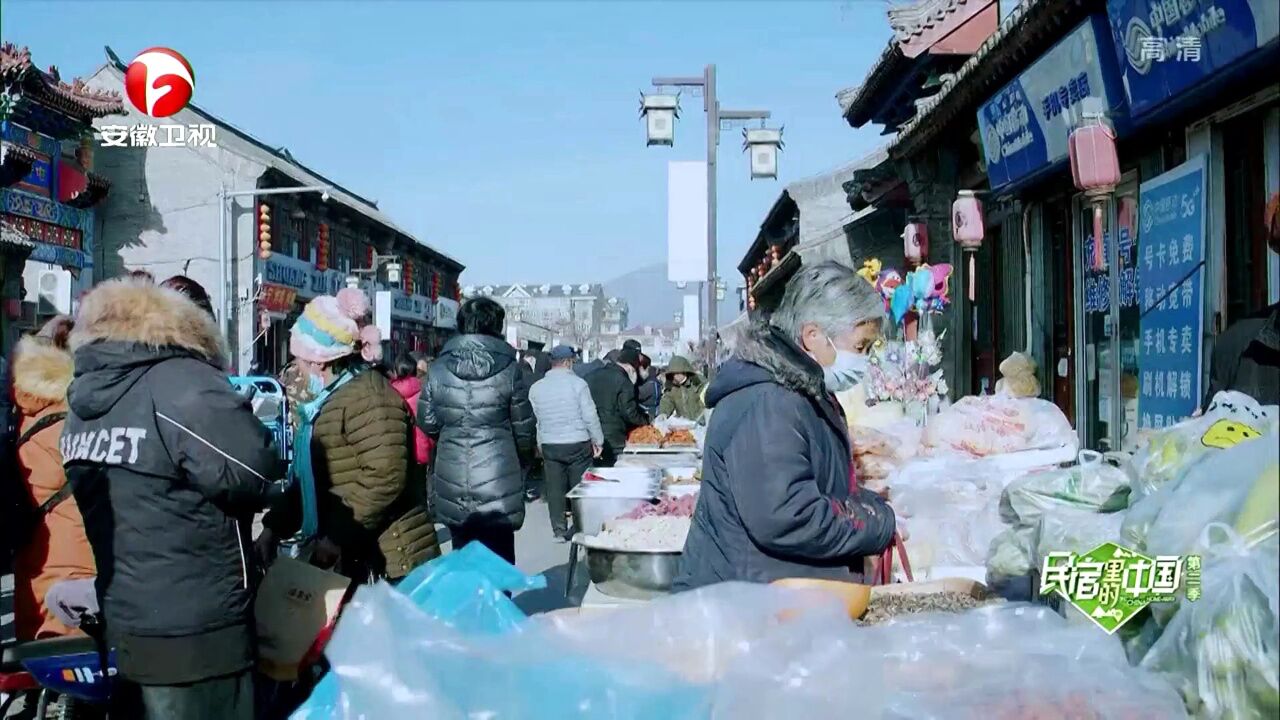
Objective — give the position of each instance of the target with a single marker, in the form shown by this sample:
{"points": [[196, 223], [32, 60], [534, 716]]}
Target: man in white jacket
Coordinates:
{"points": [[569, 432]]}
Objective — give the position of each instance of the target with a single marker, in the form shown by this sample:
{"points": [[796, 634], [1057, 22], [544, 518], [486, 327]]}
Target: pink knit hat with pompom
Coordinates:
{"points": [[329, 327]]}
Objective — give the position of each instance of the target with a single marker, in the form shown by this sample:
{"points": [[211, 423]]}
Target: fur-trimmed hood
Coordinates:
{"points": [[41, 375], [129, 310], [765, 354]]}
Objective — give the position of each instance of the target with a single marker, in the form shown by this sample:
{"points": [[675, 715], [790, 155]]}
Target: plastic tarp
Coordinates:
{"points": [[732, 651]]}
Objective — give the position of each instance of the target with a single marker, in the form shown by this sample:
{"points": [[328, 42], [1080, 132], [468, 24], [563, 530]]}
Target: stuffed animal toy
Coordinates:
{"points": [[1018, 377]]}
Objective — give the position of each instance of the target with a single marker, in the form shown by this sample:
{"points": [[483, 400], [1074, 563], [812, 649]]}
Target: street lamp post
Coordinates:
{"points": [[715, 118], [224, 210]]}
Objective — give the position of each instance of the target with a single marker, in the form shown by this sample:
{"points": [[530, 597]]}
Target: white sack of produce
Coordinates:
{"points": [[996, 424], [1000, 662], [1012, 553], [1221, 650], [1228, 487], [949, 523], [1092, 485], [1167, 454]]}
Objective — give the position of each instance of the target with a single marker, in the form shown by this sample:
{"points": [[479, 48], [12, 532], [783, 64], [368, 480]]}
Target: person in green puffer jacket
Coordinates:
{"points": [[683, 394]]}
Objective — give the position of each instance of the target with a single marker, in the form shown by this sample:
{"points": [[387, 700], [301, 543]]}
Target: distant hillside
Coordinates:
{"points": [[654, 301]]}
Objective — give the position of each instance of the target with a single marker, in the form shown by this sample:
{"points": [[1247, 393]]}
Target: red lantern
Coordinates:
{"points": [[967, 224], [407, 273], [915, 242], [1095, 168], [322, 247], [368, 256], [435, 286]]}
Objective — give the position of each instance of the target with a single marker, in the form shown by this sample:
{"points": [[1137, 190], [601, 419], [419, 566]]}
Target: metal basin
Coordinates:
{"points": [[632, 575]]}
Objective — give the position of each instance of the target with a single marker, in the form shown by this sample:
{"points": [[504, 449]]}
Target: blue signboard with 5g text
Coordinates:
{"points": [[1171, 273]]}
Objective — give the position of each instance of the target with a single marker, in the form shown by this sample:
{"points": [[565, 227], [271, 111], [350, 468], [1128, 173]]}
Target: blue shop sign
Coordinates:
{"points": [[1024, 127], [1171, 281], [1169, 46]]}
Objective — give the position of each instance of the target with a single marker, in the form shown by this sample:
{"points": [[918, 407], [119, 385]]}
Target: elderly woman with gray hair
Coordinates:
{"points": [[778, 496]]}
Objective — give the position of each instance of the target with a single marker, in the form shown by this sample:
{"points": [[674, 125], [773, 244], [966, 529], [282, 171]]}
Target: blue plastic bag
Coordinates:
{"points": [[465, 590]]}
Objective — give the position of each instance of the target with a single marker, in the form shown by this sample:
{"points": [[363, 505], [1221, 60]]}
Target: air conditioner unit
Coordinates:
{"points": [[48, 287]]}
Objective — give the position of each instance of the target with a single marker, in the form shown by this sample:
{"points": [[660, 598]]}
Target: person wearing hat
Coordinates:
{"points": [[569, 432], [683, 394], [352, 454], [613, 388]]}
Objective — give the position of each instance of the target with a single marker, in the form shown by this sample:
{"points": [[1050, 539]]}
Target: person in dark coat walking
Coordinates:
{"points": [[613, 389], [649, 389], [778, 495], [476, 406], [169, 466]]}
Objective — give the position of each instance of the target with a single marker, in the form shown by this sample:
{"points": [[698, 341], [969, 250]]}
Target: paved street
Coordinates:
{"points": [[537, 552]]}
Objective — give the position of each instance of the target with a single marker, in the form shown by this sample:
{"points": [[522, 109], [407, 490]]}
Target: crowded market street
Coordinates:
{"points": [[410, 364]]}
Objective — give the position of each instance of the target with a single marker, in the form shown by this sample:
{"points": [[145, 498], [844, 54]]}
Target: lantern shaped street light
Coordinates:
{"points": [[393, 272], [763, 144], [658, 107], [659, 112]]}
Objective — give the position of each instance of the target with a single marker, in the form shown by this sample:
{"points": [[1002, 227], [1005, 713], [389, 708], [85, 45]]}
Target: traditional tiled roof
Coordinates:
{"points": [[852, 99], [1026, 30], [912, 21], [46, 87]]}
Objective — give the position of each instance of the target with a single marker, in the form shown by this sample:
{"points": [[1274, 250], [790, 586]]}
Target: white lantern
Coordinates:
{"points": [[353, 282], [763, 144], [660, 113], [393, 273]]}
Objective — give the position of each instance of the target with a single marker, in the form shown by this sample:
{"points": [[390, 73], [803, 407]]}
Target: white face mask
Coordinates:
{"points": [[848, 369]]}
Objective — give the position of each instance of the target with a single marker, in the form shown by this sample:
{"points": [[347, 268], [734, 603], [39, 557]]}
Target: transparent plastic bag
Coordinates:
{"points": [[1012, 553], [1212, 491], [1093, 485], [1073, 530], [1221, 650], [663, 659], [1169, 453], [997, 424], [1005, 661]]}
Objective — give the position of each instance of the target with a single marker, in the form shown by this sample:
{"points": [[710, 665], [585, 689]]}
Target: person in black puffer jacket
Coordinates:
{"points": [[168, 465], [476, 407], [613, 389]]}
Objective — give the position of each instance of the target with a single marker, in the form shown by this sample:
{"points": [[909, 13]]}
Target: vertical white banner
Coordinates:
{"points": [[691, 326], [687, 221], [382, 312]]}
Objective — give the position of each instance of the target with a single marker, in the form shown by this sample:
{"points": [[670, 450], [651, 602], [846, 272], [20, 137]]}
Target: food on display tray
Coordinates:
{"points": [[681, 506], [679, 437], [646, 435], [886, 606], [652, 533]]}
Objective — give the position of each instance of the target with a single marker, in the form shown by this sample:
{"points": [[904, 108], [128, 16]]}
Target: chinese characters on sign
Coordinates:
{"points": [[277, 298], [1171, 284], [159, 136], [1111, 584], [1186, 48], [1066, 95]]}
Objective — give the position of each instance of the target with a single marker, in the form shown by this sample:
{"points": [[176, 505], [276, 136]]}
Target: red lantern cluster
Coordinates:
{"points": [[369, 252], [407, 276], [435, 286], [322, 247], [264, 231]]}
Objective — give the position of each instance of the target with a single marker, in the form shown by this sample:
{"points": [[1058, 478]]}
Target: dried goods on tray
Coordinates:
{"points": [[888, 606], [679, 438], [646, 435]]}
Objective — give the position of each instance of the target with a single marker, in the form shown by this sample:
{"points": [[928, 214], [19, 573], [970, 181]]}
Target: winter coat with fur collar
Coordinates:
{"points": [[169, 466], [58, 550]]}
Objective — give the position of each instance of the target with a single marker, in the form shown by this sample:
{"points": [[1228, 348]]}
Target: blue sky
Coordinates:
{"points": [[504, 133]]}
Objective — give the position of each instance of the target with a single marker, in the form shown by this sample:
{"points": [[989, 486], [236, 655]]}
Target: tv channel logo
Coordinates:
{"points": [[159, 82]]}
